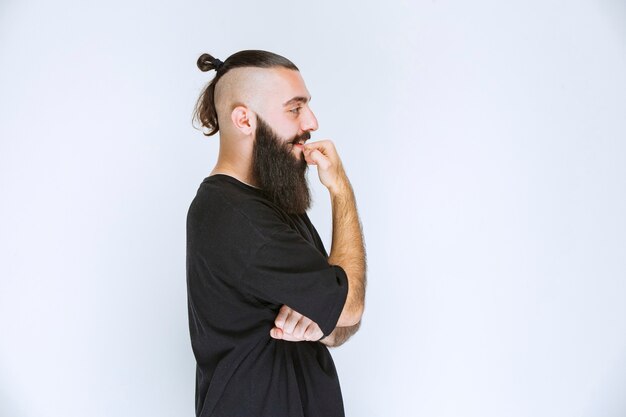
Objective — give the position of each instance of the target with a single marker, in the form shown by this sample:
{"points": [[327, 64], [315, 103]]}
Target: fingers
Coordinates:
{"points": [[316, 157], [276, 333], [313, 332], [296, 324], [329, 167], [290, 321], [293, 326], [325, 147], [283, 313], [318, 153]]}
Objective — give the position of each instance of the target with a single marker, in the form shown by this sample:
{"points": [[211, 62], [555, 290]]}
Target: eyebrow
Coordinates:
{"points": [[298, 99]]}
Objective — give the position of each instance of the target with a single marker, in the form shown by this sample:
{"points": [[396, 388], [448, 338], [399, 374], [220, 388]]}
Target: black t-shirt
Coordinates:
{"points": [[246, 257]]}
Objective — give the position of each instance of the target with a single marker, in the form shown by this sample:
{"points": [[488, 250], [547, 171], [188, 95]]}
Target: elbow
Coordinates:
{"points": [[350, 318]]}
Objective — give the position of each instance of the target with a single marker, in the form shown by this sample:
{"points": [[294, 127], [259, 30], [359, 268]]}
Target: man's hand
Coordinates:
{"points": [[329, 167], [294, 327]]}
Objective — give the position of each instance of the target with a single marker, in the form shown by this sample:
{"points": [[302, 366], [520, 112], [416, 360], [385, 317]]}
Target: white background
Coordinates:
{"points": [[486, 145]]}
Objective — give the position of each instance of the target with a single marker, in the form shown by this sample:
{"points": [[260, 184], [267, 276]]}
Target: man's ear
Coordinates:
{"points": [[244, 119]]}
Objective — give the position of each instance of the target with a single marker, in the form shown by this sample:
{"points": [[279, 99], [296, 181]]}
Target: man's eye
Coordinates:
{"points": [[296, 110]]}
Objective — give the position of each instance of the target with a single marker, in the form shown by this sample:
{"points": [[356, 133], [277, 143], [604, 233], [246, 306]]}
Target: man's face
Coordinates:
{"points": [[278, 162], [278, 171], [283, 102]]}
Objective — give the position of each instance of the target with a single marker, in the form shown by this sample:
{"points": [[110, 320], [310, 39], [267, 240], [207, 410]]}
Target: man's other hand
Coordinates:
{"points": [[329, 167], [294, 327]]}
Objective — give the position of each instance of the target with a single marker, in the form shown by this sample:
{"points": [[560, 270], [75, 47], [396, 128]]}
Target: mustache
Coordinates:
{"points": [[305, 135]]}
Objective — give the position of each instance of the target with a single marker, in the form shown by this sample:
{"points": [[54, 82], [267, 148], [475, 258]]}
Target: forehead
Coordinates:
{"points": [[286, 86]]}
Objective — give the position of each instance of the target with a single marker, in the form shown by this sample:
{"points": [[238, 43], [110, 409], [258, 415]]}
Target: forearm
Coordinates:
{"points": [[348, 247], [340, 335]]}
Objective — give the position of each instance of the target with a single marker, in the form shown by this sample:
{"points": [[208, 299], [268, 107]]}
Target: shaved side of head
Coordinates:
{"points": [[246, 86]]}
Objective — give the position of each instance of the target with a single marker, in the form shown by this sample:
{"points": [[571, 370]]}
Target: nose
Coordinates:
{"points": [[309, 122]]}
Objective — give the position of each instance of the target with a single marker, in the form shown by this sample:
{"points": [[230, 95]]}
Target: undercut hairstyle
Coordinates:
{"points": [[205, 111]]}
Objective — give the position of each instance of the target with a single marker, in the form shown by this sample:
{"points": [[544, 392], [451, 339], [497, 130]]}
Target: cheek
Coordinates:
{"points": [[285, 129]]}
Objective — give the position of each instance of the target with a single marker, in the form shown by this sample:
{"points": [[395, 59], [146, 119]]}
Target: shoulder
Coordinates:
{"points": [[224, 205]]}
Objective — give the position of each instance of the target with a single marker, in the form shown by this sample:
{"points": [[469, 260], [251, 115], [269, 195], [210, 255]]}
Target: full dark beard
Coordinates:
{"points": [[280, 175]]}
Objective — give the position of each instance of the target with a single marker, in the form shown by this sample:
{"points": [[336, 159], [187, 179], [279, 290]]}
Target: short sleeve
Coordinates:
{"points": [[287, 269]]}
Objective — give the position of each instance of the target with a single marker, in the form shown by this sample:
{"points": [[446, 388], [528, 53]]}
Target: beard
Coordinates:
{"points": [[280, 174]]}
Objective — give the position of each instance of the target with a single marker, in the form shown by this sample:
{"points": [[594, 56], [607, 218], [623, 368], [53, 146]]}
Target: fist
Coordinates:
{"points": [[329, 167], [294, 327]]}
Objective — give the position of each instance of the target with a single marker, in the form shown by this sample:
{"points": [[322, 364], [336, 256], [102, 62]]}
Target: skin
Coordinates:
{"points": [[240, 95]]}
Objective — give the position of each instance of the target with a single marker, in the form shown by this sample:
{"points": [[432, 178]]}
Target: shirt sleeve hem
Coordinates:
{"points": [[333, 316]]}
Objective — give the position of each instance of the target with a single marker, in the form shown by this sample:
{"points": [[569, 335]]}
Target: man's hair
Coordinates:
{"points": [[205, 110]]}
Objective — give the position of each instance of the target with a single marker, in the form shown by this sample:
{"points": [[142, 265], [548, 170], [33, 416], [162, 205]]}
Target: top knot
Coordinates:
{"points": [[206, 62], [217, 64]]}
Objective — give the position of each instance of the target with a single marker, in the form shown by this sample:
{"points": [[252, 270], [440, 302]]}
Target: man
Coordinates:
{"points": [[265, 299]]}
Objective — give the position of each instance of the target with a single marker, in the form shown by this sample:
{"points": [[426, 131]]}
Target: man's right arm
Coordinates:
{"points": [[348, 251], [348, 247]]}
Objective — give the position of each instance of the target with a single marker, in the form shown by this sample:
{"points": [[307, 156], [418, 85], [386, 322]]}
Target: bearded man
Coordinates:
{"points": [[265, 300]]}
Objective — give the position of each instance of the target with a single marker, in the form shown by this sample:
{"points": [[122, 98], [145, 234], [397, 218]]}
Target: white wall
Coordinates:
{"points": [[486, 144]]}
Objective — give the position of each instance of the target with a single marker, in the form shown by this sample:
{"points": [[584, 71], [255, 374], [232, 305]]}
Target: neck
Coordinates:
{"points": [[246, 179], [235, 161]]}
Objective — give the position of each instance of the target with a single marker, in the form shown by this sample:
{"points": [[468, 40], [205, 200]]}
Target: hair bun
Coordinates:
{"points": [[207, 62]]}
